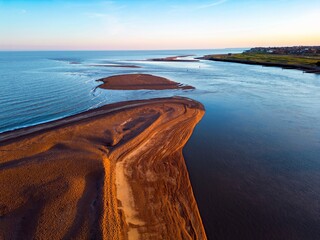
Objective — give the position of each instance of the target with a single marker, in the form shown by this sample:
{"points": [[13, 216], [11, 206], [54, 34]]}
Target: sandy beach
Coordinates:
{"points": [[116, 172], [140, 81]]}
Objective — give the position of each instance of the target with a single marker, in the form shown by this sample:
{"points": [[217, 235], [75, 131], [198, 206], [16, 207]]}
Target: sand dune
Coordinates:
{"points": [[140, 81], [116, 172]]}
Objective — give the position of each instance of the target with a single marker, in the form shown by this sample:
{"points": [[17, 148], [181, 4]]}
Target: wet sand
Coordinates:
{"points": [[174, 59], [116, 172], [140, 81], [115, 65]]}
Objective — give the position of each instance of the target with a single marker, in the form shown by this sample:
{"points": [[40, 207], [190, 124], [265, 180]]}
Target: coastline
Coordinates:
{"points": [[226, 58], [123, 160]]}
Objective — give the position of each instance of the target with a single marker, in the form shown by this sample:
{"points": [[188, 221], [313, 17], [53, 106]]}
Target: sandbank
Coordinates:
{"points": [[115, 172], [115, 65], [140, 81], [174, 59]]}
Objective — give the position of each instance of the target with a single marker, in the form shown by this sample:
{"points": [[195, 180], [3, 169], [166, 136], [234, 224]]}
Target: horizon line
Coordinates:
{"points": [[96, 50], [169, 49]]}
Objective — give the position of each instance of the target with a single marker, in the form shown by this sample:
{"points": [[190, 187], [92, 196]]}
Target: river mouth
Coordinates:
{"points": [[254, 158], [259, 178]]}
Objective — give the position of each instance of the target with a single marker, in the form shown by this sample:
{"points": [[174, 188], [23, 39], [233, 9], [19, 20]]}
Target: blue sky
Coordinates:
{"points": [[157, 24]]}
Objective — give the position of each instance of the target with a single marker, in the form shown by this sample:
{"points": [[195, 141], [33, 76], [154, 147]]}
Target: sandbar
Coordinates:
{"points": [[174, 59], [115, 172], [115, 65], [140, 81]]}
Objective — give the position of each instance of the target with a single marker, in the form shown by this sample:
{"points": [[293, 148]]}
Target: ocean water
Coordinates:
{"points": [[253, 160]]}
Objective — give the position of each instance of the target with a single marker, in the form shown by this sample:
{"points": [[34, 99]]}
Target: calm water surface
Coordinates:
{"points": [[254, 159]]}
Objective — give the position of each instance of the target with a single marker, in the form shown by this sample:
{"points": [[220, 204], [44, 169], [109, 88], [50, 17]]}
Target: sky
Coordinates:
{"points": [[157, 24]]}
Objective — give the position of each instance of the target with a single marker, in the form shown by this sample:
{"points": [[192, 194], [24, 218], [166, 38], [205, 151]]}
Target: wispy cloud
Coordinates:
{"points": [[107, 18], [212, 4], [23, 11], [110, 24], [96, 15], [195, 7]]}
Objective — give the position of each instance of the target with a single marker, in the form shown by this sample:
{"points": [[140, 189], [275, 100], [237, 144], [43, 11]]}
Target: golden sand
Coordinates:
{"points": [[140, 81], [116, 172]]}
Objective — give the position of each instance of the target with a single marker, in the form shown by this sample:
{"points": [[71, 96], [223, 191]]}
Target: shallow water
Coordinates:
{"points": [[254, 159]]}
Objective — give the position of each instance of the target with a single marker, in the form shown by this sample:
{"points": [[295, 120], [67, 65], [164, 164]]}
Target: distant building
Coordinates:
{"points": [[296, 50]]}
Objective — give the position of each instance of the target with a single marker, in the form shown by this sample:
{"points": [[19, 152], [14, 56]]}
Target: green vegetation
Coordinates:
{"points": [[311, 61], [310, 64]]}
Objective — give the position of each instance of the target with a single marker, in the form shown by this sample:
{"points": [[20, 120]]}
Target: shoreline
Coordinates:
{"points": [[304, 68], [173, 59], [124, 82], [112, 172]]}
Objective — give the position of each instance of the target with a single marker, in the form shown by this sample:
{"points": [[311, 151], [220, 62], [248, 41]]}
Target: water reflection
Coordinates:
{"points": [[254, 159]]}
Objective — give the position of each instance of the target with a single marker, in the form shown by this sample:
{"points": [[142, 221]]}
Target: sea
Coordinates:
{"points": [[253, 160]]}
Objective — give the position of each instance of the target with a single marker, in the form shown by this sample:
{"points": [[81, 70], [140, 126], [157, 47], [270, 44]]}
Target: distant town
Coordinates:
{"points": [[296, 50]]}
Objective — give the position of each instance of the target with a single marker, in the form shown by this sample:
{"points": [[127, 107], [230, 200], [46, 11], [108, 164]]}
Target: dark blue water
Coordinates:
{"points": [[254, 159]]}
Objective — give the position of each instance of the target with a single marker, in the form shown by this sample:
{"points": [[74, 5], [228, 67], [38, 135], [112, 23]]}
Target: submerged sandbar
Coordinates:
{"points": [[174, 59], [115, 65]]}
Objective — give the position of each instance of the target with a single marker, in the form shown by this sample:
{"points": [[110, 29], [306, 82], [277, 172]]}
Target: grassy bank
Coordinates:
{"points": [[306, 63]]}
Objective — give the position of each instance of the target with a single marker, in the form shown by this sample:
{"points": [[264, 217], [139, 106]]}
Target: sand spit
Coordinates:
{"points": [[115, 65], [116, 172], [140, 81], [174, 59]]}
